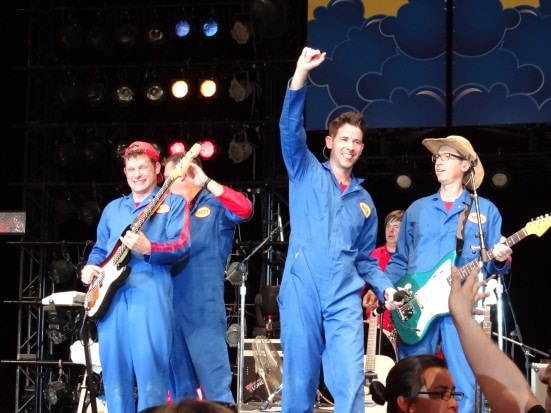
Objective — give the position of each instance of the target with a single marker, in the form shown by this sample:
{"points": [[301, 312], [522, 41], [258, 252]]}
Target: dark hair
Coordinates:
{"points": [[395, 215], [352, 118], [405, 379], [191, 406]]}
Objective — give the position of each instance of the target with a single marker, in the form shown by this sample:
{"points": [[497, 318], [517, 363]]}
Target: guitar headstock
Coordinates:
{"points": [[539, 225], [182, 166]]}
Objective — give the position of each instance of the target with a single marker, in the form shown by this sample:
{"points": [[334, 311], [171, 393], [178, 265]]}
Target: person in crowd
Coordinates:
{"points": [[200, 354], [334, 229], [135, 332], [393, 220], [441, 224], [191, 406], [423, 383], [500, 380]]}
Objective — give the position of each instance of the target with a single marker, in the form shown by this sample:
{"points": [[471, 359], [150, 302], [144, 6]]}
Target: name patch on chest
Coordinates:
{"points": [[163, 209], [365, 209], [474, 219], [202, 212]]}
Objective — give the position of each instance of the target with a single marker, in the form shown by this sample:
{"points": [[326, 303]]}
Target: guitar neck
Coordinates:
{"points": [[512, 240], [371, 346], [142, 218]]}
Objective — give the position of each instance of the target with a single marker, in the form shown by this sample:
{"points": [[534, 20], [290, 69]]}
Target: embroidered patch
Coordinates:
{"points": [[365, 209], [474, 219], [202, 212], [163, 209]]}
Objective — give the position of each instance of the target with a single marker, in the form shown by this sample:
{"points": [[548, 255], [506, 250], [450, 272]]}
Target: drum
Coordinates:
{"points": [[538, 388]]}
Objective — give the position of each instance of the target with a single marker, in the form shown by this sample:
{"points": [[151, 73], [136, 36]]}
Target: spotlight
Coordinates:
{"points": [[61, 271], [240, 148], [179, 89], [240, 31], [404, 180], [57, 391], [70, 95], [232, 335], [208, 149], [89, 213], [96, 94], [125, 94], [71, 34], [127, 35], [155, 93], [210, 27], [500, 179], [100, 38], [240, 87], [155, 35], [176, 147], [208, 88], [182, 28]]}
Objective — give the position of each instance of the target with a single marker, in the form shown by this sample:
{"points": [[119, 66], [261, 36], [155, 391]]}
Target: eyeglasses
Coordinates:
{"points": [[444, 394], [446, 156]]}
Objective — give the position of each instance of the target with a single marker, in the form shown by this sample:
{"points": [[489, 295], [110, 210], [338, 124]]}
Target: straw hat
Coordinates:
{"points": [[465, 149]]}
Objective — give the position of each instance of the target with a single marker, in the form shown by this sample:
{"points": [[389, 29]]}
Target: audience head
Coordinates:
{"points": [[191, 406]]}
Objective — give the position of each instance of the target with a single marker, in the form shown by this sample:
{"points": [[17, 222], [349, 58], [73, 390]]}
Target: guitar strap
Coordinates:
{"points": [[460, 235]]}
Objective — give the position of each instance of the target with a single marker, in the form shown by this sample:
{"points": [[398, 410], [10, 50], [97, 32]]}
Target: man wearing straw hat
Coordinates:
{"points": [[445, 222]]}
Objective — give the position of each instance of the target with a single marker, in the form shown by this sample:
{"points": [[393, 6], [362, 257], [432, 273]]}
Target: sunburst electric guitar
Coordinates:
{"points": [[114, 270], [428, 292], [376, 366]]}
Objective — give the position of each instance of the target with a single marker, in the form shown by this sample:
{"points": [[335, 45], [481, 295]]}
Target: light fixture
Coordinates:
{"points": [[179, 88], [232, 335], [404, 180], [155, 34], [500, 179], [182, 28], [240, 148], [155, 93], [208, 149], [240, 31], [209, 27], [60, 323], [268, 17], [71, 34], [128, 35], [240, 87], [176, 147], [100, 37], [57, 392], [96, 94], [125, 94], [89, 213], [208, 88], [70, 95], [61, 271]]}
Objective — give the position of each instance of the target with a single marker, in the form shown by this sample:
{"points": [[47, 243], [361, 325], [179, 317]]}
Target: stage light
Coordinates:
{"points": [[127, 35], [210, 27], [71, 34], [61, 271], [240, 87], [155, 93], [179, 89], [70, 95], [404, 180], [57, 392], [125, 94], [96, 94], [182, 28], [240, 148], [208, 88], [155, 35], [208, 149], [240, 31], [89, 213], [232, 335], [500, 179], [100, 38], [176, 147]]}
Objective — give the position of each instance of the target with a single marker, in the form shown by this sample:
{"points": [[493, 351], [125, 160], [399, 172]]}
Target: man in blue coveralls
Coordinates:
{"points": [[334, 230], [199, 308], [135, 334]]}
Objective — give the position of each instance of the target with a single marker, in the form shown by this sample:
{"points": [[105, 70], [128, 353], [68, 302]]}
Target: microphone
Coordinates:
{"points": [[280, 226]]}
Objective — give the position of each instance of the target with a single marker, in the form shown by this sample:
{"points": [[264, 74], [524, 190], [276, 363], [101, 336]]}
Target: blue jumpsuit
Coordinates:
{"points": [[135, 334], [427, 234], [199, 308], [328, 261]]}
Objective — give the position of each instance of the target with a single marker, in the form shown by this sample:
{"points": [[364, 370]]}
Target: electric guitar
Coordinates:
{"points": [[428, 292], [114, 270], [376, 367]]}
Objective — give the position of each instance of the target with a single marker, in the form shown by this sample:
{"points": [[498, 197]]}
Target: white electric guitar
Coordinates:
{"points": [[376, 366]]}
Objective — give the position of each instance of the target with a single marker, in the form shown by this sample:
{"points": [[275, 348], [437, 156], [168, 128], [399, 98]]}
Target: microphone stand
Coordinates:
{"points": [[237, 275], [484, 257]]}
